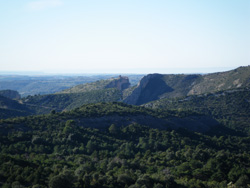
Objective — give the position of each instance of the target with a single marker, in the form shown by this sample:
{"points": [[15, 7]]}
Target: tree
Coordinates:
{"points": [[91, 146], [37, 186], [113, 129], [16, 184], [53, 112], [61, 181], [125, 179], [243, 181], [69, 127]]}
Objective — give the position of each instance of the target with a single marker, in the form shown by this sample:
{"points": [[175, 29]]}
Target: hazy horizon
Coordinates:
{"points": [[61, 36], [111, 72]]}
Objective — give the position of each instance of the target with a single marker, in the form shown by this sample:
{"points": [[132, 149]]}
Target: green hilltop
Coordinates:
{"points": [[230, 107], [66, 150], [181, 131], [200, 93]]}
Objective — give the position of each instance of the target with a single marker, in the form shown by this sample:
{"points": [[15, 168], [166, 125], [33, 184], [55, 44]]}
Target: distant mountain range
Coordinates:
{"points": [[175, 131], [171, 91], [41, 85], [119, 83]]}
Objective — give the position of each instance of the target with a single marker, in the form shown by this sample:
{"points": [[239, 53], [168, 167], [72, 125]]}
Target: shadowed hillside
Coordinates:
{"points": [[10, 94], [230, 107], [60, 102], [12, 108], [118, 145], [100, 91], [156, 86]]}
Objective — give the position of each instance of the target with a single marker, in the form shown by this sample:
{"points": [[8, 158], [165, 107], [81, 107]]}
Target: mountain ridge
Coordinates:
{"points": [[119, 83], [151, 88], [102, 115], [230, 107], [180, 85]]}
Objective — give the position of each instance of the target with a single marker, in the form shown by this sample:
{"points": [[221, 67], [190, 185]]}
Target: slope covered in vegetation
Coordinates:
{"points": [[119, 83], [61, 150], [12, 108], [158, 86], [100, 91], [43, 104], [230, 107], [35, 85], [10, 94]]}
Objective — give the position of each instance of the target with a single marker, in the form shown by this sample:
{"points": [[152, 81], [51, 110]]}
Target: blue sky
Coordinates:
{"points": [[111, 36]]}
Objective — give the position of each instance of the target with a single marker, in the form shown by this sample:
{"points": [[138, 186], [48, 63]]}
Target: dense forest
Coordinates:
{"points": [[167, 131], [230, 107], [43, 104], [61, 150]]}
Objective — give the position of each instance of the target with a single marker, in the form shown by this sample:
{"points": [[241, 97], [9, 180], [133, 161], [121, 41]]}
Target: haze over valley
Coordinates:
{"points": [[124, 94]]}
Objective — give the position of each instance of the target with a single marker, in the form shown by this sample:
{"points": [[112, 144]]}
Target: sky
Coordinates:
{"points": [[124, 36]]}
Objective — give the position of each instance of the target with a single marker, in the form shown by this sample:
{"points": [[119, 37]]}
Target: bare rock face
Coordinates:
{"points": [[121, 83], [149, 88], [157, 86], [11, 94]]}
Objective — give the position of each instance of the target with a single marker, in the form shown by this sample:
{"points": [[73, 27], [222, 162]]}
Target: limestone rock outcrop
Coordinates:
{"points": [[148, 89], [121, 83]]}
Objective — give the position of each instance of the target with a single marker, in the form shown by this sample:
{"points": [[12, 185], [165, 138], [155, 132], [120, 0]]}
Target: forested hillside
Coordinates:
{"points": [[151, 87], [12, 108], [100, 91], [230, 107], [10, 94], [35, 85], [87, 136], [124, 94], [43, 104], [119, 83], [60, 150]]}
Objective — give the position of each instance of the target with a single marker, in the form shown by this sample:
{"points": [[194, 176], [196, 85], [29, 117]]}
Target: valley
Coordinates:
{"points": [[163, 130]]}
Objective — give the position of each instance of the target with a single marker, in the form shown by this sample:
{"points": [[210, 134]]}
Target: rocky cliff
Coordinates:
{"points": [[148, 89], [119, 83], [157, 86]]}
